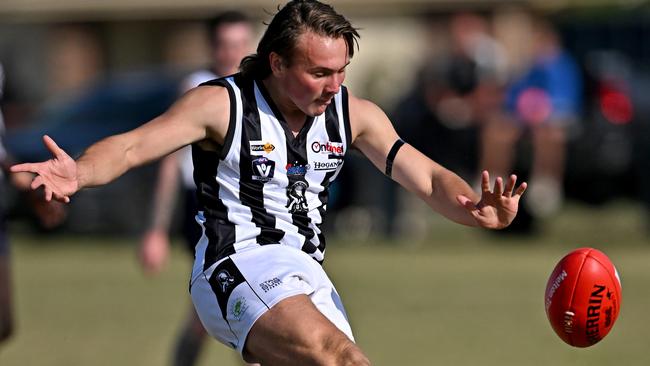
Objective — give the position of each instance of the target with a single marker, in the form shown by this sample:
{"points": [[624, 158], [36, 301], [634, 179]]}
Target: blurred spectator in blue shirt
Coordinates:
{"points": [[544, 102]]}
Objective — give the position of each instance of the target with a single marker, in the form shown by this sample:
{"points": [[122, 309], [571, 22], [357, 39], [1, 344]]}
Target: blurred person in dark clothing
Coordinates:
{"points": [[231, 39], [544, 102], [441, 115], [50, 215]]}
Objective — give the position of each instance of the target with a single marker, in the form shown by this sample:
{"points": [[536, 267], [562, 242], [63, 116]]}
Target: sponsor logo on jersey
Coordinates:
{"points": [[268, 285], [225, 280], [259, 147], [297, 169], [263, 169], [296, 200], [332, 148], [327, 165]]}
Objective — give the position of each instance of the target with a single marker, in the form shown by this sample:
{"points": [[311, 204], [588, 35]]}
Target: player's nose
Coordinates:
{"points": [[333, 84]]}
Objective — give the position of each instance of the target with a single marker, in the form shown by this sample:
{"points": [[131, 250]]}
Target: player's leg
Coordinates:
{"points": [[499, 137], [275, 305], [295, 332], [549, 144], [546, 181], [189, 341]]}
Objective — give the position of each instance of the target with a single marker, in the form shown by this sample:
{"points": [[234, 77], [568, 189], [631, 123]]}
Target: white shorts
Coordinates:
{"points": [[233, 293]]}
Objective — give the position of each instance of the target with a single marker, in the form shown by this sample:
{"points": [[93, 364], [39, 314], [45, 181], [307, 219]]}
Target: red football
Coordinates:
{"points": [[583, 297]]}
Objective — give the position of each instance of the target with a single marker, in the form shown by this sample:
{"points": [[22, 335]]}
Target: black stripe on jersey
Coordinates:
{"points": [[297, 159], [220, 232], [346, 116], [323, 196], [333, 127], [332, 124], [233, 114], [251, 192]]}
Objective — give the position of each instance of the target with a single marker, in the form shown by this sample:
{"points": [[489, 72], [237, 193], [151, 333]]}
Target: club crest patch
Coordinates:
{"points": [[296, 199], [225, 280]]}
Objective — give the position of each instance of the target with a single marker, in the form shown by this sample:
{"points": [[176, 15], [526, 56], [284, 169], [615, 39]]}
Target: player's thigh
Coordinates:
{"points": [[295, 332]]}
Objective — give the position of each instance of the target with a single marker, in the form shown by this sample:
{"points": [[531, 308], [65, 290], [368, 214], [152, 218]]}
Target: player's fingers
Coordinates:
{"points": [[53, 147], [37, 182], [498, 187], [48, 193], [61, 198], [485, 181], [510, 186], [25, 167], [521, 189]]}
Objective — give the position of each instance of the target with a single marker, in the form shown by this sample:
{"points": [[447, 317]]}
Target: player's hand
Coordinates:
{"points": [[154, 251], [497, 208], [58, 176]]}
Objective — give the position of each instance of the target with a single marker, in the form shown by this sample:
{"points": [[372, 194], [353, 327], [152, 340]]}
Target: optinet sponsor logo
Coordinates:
{"points": [[328, 165], [335, 148]]}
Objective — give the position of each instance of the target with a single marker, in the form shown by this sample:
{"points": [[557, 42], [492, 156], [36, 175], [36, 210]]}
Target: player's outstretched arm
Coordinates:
{"points": [[440, 188], [201, 114]]}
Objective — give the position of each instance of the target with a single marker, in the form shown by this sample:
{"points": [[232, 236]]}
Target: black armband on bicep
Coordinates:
{"points": [[391, 156]]}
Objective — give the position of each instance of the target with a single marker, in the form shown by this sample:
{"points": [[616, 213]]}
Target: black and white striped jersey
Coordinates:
{"points": [[266, 186]]}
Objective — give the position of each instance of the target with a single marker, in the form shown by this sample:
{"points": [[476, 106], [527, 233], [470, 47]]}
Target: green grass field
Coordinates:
{"points": [[462, 297]]}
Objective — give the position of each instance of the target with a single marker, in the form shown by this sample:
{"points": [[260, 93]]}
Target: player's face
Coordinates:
{"points": [[316, 72], [234, 41]]}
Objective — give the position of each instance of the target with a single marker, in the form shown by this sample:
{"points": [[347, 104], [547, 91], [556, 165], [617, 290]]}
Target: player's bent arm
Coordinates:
{"points": [[374, 135], [201, 113]]}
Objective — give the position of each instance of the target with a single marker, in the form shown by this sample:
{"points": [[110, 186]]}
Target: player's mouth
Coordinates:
{"points": [[325, 101]]}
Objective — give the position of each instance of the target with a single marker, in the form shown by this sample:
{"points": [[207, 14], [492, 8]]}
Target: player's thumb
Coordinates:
{"points": [[466, 202]]}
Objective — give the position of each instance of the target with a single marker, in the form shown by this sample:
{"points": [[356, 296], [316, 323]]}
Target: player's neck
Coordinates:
{"points": [[294, 117]]}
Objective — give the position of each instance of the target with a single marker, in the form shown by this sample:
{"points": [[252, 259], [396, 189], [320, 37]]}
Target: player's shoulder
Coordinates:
{"points": [[207, 93]]}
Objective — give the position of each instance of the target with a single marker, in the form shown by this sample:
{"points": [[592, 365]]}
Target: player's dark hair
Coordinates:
{"points": [[292, 20], [227, 17]]}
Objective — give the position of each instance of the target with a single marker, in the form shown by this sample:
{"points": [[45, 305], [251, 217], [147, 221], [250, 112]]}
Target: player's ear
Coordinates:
{"points": [[277, 63]]}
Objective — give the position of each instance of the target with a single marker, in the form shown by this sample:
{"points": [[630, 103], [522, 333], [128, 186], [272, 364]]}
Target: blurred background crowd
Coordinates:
{"points": [[556, 93]]}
